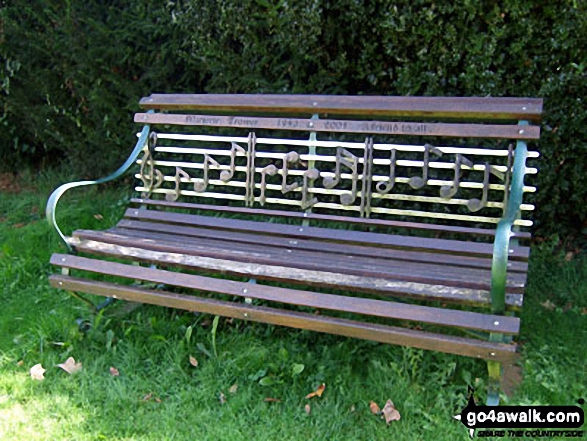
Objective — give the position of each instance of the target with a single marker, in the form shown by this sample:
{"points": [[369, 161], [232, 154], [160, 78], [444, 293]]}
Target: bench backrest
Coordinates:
{"points": [[446, 159]]}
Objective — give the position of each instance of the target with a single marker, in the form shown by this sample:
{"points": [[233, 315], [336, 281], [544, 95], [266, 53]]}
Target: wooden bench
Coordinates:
{"points": [[407, 211]]}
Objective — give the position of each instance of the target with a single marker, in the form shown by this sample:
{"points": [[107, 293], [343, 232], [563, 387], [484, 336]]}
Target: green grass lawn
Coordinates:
{"points": [[159, 395]]}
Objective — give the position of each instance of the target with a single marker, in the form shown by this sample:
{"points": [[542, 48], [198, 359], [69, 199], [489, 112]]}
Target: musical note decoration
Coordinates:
{"points": [[148, 174], [476, 204], [309, 176], [270, 170], [448, 191], [179, 173], [201, 185], [346, 158], [289, 158], [386, 186], [417, 182], [226, 175]]}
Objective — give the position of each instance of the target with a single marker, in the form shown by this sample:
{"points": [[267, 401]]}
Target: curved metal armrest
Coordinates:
{"points": [[54, 198], [503, 233]]}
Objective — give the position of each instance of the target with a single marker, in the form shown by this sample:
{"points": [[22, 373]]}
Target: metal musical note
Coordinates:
{"points": [[385, 187], [179, 173], [149, 175], [309, 176], [270, 170], [289, 158], [344, 157], [448, 191], [417, 182], [226, 175], [201, 186], [476, 204]]}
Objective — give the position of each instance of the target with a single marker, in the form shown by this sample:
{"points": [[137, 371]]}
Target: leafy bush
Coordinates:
{"points": [[72, 77]]}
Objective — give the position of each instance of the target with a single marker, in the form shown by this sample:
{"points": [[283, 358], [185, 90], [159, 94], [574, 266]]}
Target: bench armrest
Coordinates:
{"points": [[503, 233], [54, 198]]}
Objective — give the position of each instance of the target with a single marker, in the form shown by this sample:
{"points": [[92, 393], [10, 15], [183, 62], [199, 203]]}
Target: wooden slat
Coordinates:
{"points": [[326, 234], [377, 308], [384, 334], [418, 226], [295, 276], [316, 261], [389, 106], [312, 245], [346, 126]]}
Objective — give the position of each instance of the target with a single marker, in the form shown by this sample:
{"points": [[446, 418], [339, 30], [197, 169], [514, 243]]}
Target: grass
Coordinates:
{"points": [[159, 395]]}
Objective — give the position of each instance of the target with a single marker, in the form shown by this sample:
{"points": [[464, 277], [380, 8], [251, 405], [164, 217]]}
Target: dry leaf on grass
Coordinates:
{"points": [[222, 398], [20, 363], [148, 396], [307, 409], [98, 216], [318, 392], [233, 388], [37, 372], [548, 305], [70, 366], [114, 372], [193, 361], [569, 256], [390, 413], [374, 408], [272, 400]]}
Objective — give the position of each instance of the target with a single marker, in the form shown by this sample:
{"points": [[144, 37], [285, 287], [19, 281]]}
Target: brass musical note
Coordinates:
{"points": [[476, 204], [417, 182], [448, 191], [152, 178], [309, 175], [201, 186], [179, 173], [270, 170], [349, 160], [289, 158], [385, 187], [226, 175]]}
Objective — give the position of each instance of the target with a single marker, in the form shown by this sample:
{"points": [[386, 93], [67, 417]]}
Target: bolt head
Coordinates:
{"points": [[496, 323], [245, 290], [314, 103], [521, 132], [246, 314], [492, 354]]}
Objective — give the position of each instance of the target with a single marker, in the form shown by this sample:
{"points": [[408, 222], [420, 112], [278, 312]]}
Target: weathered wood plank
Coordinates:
{"points": [[389, 106], [296, 276], [378, 308], [418, 226], [330, 235], [346, 126], [315, 261], [233, 237], [348, 328]]}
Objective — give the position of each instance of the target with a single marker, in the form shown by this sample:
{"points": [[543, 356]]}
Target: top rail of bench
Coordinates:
{"points": [[488, 108]]}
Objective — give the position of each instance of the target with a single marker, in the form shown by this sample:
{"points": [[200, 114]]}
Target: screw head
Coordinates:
{"points": [[492, 354], [246, 314], [60, 283], [311, 124], [245, 290], [521, 132], [63, 259], [145, 118], [496, 323], [305, 214], [314, 103], [524, 108], [301, 229]]}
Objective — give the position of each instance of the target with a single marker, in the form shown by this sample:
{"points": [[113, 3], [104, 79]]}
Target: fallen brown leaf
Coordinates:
{"points": [[19, 225], [375, 409], [98, 216], [307, 409], [37, 372], [19, 363], [157, 400], [390, 413], [352, 409], [148, 396], [222, 398], [70, 366], [193, 361], [569, 256], [318, 392], [548, 305], [272, 400], [583, 311], [233, 388], [114, 372]]}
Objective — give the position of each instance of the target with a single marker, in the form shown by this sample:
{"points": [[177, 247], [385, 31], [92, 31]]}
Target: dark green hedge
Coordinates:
{"points": [[73, 73]]}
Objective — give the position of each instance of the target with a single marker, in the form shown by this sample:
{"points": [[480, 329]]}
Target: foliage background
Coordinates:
{"points": [[72, 72]]}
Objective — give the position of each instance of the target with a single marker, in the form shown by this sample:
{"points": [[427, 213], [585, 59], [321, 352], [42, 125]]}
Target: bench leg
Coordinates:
{"points": [[495, 370]]}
